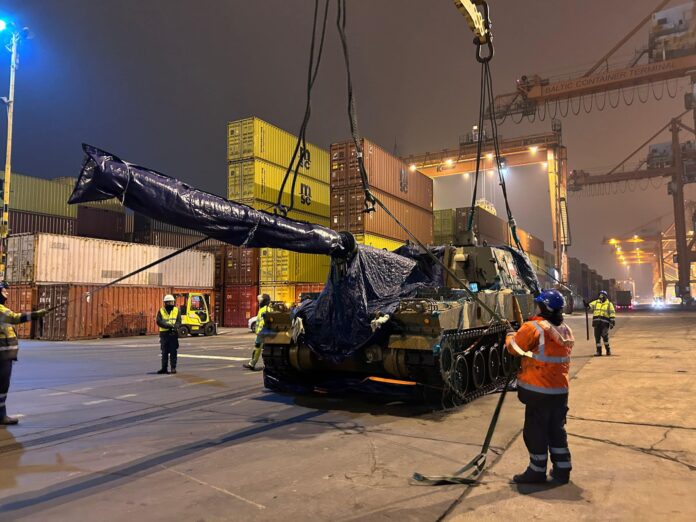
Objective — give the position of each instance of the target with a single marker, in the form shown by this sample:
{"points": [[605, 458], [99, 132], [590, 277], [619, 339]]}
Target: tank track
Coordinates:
{"points": [[471, 364]]}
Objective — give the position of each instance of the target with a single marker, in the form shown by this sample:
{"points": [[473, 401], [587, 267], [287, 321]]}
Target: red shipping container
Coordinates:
{"points": [[22, 299], [31, 223], [240, 304], [241, 266], [385, 172], [100, 223]]}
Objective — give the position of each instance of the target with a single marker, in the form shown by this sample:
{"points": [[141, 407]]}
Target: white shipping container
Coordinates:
{"points": [[50, 258]]}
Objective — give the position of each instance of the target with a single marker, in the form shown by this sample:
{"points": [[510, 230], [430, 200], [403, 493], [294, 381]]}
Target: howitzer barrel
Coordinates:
{"points": [[105, 176]]}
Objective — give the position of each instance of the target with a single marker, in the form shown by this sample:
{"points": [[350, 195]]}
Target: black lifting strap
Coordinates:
{"points": [[304, 159], [476, 465]]}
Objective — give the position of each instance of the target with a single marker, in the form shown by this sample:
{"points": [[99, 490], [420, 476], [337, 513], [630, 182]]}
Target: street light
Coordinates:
{"points": [[12, 46]]}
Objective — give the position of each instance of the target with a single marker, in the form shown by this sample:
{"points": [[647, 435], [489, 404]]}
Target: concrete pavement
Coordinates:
{"points": [[102, 437]]}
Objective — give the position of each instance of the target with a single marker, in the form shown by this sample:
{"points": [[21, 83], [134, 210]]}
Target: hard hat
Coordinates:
{"points": [[4, 284], [604, 293], [551, 299], [169, 297]]}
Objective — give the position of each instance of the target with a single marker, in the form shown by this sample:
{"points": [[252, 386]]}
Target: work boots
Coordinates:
{"points": [[599, 353], [173, 370], [608, 350], [560, 476], [162, 371], [530, 477], [8, 421]]}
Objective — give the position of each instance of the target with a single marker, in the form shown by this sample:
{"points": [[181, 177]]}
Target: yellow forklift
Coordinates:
{"points": [[195, 314]]}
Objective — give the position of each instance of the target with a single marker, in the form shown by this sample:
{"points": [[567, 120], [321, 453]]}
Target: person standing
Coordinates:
{"points": [[603, 320], [544, 343], [9, 348], [169, 320], [264, 300]]}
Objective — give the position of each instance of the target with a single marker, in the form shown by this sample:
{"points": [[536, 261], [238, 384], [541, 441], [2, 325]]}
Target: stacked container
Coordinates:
{"points": [[407, 193], [258, 156], [48, 269]]}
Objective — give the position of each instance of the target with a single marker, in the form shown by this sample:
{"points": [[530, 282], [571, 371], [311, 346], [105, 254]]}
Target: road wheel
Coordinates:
{"points": [[209, 329], [478, 369], [183, 331], [493, 363]]}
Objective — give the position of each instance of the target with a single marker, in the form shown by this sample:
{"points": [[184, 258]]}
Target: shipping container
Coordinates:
{"points": [[30, 223], [41, 196], [260, 180], [173, 240], [530, 243], [255, 138], [282, 266], [347, 214], [49, 258], [116, 311], [240, 304], [297, 215], [385, 172], [289, 294], [100, 223], [378, 242], [22, 298]]}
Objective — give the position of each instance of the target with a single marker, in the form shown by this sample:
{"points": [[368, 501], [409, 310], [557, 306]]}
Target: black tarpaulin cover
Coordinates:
{"points": [[105, 176]]}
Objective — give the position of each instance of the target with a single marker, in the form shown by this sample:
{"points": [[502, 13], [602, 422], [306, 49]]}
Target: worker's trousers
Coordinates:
{"points": [[601, 332], [544, 431], [169, 344], [5, 374], [256, 354]]}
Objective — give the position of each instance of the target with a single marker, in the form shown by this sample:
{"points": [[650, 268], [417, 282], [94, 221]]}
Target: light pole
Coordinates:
{"points": [[11, 46]]}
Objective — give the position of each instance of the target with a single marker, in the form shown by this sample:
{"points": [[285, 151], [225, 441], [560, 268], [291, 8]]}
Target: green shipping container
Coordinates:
{"points": [[261, 180], [255, 138], [41, 196]]}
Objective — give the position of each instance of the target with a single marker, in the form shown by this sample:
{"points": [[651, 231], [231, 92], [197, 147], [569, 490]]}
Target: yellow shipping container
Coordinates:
{"points": [[289, 294], [255, 138], [293, 214], [378, 241], [261, 180], [283, 266]]}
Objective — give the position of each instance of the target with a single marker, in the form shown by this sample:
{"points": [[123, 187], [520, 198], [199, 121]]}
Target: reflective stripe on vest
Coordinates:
{"points": [[171, 319], [541, 356], [541, 389]]}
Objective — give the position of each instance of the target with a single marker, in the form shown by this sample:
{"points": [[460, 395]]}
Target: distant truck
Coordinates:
{"points": [[624, 300]]}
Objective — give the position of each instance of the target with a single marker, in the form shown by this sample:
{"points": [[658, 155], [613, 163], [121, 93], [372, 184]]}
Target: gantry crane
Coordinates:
{"points": [[674, 169]]}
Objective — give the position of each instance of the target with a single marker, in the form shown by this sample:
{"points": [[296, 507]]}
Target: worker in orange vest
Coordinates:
{"points": [[544, 343]]}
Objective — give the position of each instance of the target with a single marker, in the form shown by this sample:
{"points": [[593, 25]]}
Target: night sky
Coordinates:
{"points": [[155, 81]]}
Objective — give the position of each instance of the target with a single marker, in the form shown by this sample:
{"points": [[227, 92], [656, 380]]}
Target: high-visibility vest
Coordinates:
{"points": [[603, 311], [9, 347], [546, 349], [170, 318], [260, 321]]}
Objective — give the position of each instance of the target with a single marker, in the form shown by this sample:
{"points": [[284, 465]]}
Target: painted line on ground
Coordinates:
{"points": [[213, 357], [127, 395], [221, 490], [91, 403]]}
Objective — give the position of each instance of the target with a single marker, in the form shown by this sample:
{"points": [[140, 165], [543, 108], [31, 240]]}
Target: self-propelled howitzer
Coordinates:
{"points": [[396, 317]]}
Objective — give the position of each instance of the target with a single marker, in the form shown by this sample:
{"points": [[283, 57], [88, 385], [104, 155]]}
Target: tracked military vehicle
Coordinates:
{"points": [[439, 339]]}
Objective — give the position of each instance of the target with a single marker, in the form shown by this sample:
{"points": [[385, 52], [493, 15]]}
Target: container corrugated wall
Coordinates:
{"points": [[22, 298], [100, 223], [41, 196], [261, 180], [255, 138], [347, 206], [278, 265], [240, 304], [386, 173], [48, 258], [378, 241], [289, 294], [30, 222]]}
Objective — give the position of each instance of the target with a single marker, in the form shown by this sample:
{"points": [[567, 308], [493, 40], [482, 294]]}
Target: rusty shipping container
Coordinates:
{"points": [[347, 206], [386, 173], [100, 223], [117, 311], [30, 223], [22, 298], [240, 304]]}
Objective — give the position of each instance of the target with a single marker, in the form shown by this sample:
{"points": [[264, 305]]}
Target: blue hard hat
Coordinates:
{"points": [[551, 299], [604, 293]]}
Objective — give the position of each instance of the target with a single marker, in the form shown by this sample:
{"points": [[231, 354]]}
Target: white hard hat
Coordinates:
{"points": [[169, 297]]}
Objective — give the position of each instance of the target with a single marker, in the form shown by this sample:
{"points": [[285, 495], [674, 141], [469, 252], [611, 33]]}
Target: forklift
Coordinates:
{"points": [[195, 315]]}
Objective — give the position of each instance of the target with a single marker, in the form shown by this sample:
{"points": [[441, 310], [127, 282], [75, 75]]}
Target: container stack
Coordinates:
{"points": [[407, 193], [46, 270], [258, 155]]}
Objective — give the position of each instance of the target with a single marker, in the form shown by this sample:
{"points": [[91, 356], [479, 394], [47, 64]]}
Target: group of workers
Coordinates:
{"points": [[544, 344]]}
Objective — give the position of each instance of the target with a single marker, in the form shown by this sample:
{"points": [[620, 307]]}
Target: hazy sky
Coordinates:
{"points": [[155, 81]]}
